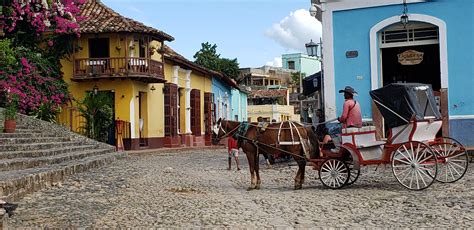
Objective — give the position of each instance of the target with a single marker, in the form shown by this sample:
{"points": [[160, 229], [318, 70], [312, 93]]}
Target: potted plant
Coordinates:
{"points": [[10, 114]]}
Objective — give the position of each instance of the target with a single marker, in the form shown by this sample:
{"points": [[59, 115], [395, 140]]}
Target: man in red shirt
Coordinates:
{"points": [[233, 149], [351, 115]]}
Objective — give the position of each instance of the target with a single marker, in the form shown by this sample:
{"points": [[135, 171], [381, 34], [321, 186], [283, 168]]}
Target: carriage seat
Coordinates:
{"points": [[361, 137]]}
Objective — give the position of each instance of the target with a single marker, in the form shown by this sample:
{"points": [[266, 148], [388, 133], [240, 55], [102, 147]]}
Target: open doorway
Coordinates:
{"points": [[426, 71], [410, 55]]}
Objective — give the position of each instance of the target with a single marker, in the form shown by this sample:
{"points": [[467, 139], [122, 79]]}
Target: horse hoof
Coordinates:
{"points": [[257, 187], [249, 188], [298, 187]]}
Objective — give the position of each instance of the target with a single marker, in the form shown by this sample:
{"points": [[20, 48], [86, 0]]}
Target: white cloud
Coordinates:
{"points": [[276, 62], [296, 29]]}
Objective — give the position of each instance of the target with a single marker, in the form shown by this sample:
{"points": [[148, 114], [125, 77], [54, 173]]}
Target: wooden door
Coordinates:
{"points": [[171, 109], [208, 112], [196, 112]]}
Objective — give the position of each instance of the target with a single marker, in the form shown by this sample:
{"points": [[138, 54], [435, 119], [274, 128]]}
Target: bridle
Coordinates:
{"points": [[225, 132]]}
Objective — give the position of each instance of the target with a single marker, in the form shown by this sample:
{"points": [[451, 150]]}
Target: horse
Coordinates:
{"points": [[286, 137]]}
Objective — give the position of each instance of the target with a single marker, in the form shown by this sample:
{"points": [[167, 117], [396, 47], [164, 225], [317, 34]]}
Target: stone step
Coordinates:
{"points": [[24, 163], [28, 131], [37, 146], [15, 184], [25, 140], [44, 152], [25, 135]]}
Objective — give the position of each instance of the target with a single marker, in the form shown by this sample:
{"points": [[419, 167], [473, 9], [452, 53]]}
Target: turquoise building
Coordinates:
{"points": [[230, 102], [302, 63], [239, 104], [367, 46]]}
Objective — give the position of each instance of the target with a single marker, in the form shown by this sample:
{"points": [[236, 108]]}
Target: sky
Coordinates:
{"points": [[256, 32]]}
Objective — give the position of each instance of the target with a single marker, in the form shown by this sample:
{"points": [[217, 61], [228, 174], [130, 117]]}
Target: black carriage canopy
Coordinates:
{"points": [[399, 102]]}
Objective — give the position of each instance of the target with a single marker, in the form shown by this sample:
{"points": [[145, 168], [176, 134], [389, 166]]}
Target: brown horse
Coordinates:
{"points": [[287, 137]]}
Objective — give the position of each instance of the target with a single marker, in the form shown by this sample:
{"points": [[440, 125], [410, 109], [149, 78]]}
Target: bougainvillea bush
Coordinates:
{"points": [[34, 36]]}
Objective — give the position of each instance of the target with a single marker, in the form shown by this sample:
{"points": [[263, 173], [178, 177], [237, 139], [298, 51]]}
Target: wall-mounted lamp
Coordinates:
{"points": [[404, 18], [95, 89], [152, 88]]}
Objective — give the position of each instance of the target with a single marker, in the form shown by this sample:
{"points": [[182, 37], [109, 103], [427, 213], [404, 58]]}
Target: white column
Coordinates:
{"points": [[176, 75], [176, 82], [188, 102]]}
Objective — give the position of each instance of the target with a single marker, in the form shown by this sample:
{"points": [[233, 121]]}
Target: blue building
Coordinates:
{"points": [[239, 104], [366, 46], [230, 102]]}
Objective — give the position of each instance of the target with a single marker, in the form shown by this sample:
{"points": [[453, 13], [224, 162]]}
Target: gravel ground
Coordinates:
{"points": [[192, 188]]}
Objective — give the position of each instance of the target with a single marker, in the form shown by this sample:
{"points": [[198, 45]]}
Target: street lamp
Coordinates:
{"points": [[404, 18], [95, 89], [312, 49]]}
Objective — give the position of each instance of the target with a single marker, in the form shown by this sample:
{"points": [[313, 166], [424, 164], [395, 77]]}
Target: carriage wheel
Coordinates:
{"points": [[354, 174], [453, 157], [334, 173], [414, 165]]}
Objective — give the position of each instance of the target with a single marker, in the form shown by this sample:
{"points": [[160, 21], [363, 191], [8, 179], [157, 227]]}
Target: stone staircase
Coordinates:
{"points": [[40, 154]]}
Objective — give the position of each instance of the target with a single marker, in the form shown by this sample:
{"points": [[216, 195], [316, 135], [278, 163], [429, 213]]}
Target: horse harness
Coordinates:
{"points": [[241, 132]]}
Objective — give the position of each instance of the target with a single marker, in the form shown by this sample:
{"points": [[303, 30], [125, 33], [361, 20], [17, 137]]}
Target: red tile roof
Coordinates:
{"points": [[98, 18], [268, 93]]}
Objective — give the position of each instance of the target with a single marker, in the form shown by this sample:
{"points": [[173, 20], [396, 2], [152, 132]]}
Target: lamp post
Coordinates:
{"points": [[312, 50], [95, 89], [404, 18]]}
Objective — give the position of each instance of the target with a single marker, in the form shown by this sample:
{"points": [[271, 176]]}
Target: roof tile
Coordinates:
{"points": [[98, 18]]}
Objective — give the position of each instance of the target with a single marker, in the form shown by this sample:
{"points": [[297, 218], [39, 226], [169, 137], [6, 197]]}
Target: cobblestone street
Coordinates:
{"points": [[190, 188]]}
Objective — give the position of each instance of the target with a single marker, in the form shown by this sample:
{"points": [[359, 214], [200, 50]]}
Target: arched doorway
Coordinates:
{"points": [[410, 54], [417, 53]]}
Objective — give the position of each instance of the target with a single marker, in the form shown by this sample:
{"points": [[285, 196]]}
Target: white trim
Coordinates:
{"points": [[374, 47], [413, 43], [328, 66], [188, 102], [356, 4], [461, 117], [176, 75], [132, 117]]}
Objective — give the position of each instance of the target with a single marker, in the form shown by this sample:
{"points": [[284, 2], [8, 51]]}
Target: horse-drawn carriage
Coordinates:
{"points": [[416, 155]]}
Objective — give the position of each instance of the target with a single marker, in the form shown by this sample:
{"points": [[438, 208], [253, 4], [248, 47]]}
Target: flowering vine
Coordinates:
{"points": [[36, 35]]}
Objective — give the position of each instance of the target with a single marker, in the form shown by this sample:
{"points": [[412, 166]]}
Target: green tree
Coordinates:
{"points": [[97, 111], [208, 57]]}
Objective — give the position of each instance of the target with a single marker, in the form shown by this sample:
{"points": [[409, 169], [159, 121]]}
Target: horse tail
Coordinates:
{"points": [[313, 139]]}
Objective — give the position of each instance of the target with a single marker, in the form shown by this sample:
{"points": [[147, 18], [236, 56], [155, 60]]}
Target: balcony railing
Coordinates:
{"points": [[142, 69]]}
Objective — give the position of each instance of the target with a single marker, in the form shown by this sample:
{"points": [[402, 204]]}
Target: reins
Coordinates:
{"points": [[230, 132]]}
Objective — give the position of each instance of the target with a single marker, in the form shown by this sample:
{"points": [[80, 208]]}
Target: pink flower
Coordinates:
{"points": [[50, 43]]}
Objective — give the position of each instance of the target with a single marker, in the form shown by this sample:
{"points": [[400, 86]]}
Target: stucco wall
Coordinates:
{"points": [[351, 31], [220, 89], [353, 34]]}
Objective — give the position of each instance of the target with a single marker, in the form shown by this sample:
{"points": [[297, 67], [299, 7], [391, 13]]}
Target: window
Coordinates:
{"points": [[142, 49], [99, 48], [291, 64]]}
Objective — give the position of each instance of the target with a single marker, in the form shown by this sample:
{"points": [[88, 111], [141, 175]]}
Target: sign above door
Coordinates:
{"points": [[410, 57]]}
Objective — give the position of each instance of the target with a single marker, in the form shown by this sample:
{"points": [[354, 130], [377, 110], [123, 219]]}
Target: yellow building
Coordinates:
{"points": [[270, 105], [129, 61], [190, 113]]}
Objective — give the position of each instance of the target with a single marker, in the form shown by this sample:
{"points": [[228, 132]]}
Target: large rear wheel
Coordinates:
{"points": [[414, 164], [334, 173], [453, 159]]}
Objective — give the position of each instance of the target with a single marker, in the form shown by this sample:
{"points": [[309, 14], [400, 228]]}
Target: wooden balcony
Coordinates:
{"points": [[140, 69]]}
